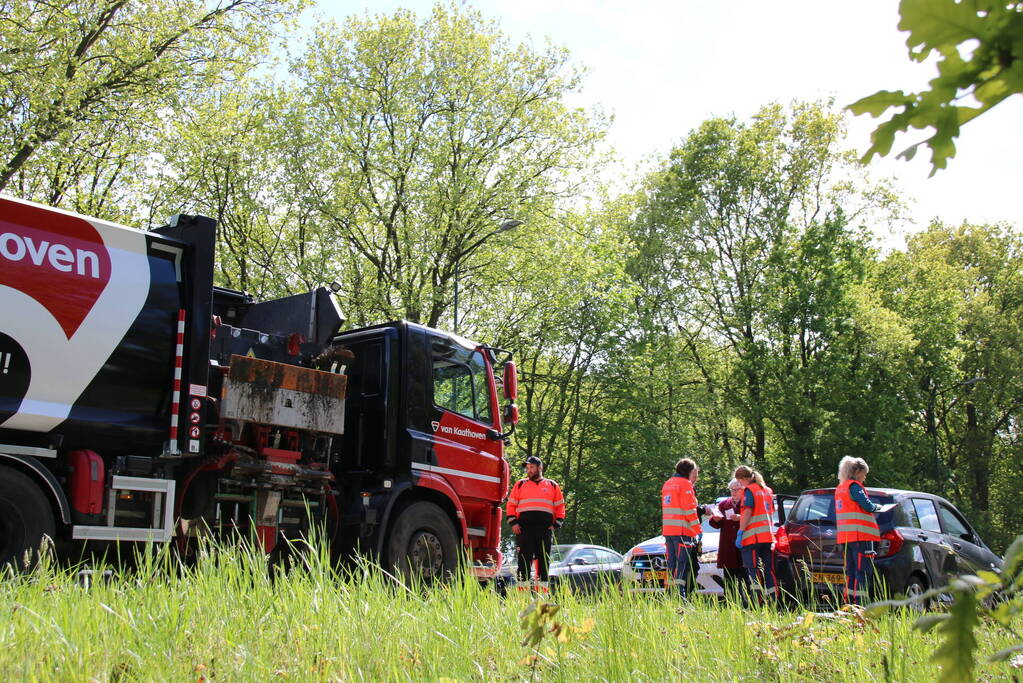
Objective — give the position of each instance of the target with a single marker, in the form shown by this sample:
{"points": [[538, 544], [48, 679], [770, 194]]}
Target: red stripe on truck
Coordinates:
{"points": [[176, 401]]}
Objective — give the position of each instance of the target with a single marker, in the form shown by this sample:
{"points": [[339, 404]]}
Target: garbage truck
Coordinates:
{"points": [[141, 403]]}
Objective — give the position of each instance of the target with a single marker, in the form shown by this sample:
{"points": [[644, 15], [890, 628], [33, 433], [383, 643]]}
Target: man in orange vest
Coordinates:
{"points": [[536, 507], [857, 528], [680, 523]]}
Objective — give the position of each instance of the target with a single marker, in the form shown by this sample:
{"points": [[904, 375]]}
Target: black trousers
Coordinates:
{"points": [[736, 580], [534, 543]]}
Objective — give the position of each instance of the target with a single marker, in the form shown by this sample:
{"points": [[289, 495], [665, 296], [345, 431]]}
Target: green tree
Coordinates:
{"points": [[979, 47], [416, 140], [960, 290], [745, 250], [564, 324], [226, 156], [80, 81]]}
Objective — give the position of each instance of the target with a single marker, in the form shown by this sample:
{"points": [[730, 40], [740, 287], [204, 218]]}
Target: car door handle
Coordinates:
{"points": [[957, 546]]}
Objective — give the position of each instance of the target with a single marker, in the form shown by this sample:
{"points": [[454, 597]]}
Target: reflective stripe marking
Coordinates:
{"points": [[679, 511], [859, 528], [457, 473], [862, 516], [675, 520], [542, 501]]}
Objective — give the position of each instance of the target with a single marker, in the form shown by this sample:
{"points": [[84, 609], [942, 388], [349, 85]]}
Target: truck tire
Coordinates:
{"points": [[25, 517], [422, 545]]}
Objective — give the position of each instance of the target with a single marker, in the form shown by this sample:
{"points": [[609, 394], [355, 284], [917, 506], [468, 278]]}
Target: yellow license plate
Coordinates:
{"points": [[655, 576], [822, 577]]}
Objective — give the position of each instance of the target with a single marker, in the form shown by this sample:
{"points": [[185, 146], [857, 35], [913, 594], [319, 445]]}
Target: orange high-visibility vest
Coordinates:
{"points": [[759, 527], [853, 522], [678, 508], [536, 496]]}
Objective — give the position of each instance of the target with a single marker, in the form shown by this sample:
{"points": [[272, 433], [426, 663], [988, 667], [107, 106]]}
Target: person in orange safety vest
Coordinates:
{"points": [[536, 507], [680, 523], [857, 528], [756, 531]]}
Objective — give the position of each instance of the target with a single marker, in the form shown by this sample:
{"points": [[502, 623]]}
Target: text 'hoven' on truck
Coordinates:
{"points": [[138, 402]]}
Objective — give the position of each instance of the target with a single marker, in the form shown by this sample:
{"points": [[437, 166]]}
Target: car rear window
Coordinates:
{"points": [[819, 509]]}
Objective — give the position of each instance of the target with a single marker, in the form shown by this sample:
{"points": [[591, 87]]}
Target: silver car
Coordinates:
{"points": [[584, 567]]}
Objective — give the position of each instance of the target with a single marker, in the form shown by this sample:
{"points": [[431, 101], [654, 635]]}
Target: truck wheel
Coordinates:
{"points": [[25, 517], [422, 545]]}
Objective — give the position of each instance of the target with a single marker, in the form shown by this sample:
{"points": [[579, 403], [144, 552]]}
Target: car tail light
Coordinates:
{"points": [[890, 543], [791, 540], [781, 541]]}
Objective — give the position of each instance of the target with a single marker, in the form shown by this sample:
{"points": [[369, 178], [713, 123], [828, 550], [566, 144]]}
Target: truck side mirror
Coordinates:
{"points": [[510, 381], [511, 414]]}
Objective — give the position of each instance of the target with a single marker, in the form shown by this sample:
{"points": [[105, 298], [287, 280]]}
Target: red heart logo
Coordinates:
{"points": [[57, 259]]}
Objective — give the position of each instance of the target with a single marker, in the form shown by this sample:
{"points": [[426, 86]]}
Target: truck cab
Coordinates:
{"points": [[423, 429]]}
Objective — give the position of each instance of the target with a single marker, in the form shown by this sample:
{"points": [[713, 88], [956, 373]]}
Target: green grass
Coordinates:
{"points": [[227, 618]]}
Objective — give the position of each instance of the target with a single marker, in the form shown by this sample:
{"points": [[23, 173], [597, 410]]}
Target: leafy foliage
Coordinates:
{"points": [[955, 655], [417, 139], [998, 596], [73, 72], [750, 268], [979, 48]]}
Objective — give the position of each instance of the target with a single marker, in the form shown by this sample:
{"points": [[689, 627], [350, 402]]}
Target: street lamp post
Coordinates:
{"points": [[504, 227]]}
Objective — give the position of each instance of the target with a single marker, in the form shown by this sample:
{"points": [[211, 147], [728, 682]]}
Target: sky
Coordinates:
{"points": [[661, 67]]}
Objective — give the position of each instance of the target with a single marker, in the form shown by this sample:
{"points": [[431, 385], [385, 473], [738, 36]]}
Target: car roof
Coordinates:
{"points": [[884, 492], [575, 546], [870, 489]]}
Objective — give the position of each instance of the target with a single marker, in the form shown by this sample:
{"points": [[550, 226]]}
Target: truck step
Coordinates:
{"points": [[161, 529]]}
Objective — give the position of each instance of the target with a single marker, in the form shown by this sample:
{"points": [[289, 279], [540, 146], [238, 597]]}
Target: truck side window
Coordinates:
{"points": [[479, 380], [460, 384], [453, 387]]}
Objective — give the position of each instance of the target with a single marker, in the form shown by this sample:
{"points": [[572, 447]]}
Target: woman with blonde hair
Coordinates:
{"points": [[756, 535], [857, 528]]}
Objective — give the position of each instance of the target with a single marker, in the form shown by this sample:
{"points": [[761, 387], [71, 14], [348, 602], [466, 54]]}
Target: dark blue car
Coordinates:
{"points": [[925, 543]]}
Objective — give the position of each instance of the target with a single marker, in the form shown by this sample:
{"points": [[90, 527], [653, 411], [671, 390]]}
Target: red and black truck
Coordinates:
{"points": [[141, 403]]}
